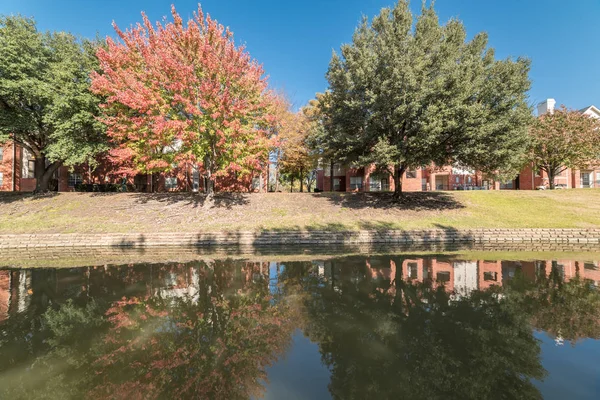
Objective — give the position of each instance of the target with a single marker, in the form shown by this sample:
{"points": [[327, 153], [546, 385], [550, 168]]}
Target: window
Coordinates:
{"points": [[411, 173], [1, 153], [586, 179], [490, 276], [337, 182], [412, 268], [378, 183], [457, 179], [75, 179], [506, 185], [255, 183], [1, 179], [469, 179], [590, 266], [374, 184], [355, 182], [443, 276], [30, 169], [171, 183], [338, 170]]}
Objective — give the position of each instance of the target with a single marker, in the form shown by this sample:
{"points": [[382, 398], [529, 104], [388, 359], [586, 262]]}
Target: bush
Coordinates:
{"points": [[96, 187]]}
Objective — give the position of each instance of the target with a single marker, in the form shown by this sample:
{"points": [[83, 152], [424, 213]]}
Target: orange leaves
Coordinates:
{"points": [[188, 82]]}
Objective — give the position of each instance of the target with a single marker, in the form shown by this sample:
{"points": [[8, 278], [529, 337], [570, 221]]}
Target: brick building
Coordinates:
{"points": [[17, 171], [17, 174], [365, 179]]}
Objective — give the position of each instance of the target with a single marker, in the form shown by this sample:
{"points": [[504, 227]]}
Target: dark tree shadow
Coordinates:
{"points": [[457, 235], [12, 197], [220, 200], [415, 201]]}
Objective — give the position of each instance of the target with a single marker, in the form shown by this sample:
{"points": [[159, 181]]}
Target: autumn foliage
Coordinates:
{"points": [[185, 93], [564, 139]]}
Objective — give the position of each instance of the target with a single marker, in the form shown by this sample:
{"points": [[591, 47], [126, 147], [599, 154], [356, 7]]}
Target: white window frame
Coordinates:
{"points": [[170, 182], [375, 184], [590, 175], [1, 153], [354, 185], [74, 179], [1, 179]]}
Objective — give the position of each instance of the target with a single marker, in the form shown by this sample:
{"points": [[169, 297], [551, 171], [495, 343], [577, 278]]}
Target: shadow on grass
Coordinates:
{"points": [[414, 201], [12, 197], [220, 200]]}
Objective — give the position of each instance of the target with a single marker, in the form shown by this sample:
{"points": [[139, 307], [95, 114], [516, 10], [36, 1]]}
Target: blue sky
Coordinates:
{"points": [[294, 39]]}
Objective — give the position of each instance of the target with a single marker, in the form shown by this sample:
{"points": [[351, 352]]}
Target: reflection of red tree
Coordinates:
{"points": [[217, 349]]}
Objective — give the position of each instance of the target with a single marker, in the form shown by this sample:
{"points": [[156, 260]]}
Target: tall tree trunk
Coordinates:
{"points": [[551, 176], [208, 166], [301, 180], [398, 171], [43, 174], [292, 184], [331, 176]]}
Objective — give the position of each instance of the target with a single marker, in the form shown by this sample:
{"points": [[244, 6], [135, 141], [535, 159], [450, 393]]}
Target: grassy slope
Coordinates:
{"points": [[82, 212]]}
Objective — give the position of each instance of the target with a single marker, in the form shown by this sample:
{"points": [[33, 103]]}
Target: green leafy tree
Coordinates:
{"points": [[45, 102], [564, 139], [327, 142], [403, 98]]}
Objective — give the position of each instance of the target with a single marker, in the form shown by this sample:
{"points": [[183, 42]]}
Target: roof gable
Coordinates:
{"points": [[592, 111]]}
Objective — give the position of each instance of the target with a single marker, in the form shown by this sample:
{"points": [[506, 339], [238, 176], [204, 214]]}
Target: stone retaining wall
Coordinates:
{"points": [[270, 238]]}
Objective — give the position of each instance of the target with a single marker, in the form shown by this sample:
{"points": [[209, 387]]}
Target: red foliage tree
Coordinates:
{"points": [[185, 93]]}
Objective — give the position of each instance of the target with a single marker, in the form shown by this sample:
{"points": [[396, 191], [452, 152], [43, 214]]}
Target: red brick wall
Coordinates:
{"points": [[528, 180], [411, 184], [63, 180], [493, 269], [6, 167], [327, 182]]}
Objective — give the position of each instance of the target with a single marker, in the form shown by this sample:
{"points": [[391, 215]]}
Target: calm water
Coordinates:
{"points": [[345, 328]]}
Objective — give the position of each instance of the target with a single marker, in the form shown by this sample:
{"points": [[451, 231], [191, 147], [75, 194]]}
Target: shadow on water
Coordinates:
{"points": [[413, 201]]}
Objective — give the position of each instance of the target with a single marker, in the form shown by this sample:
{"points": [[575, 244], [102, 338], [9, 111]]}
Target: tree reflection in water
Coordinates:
{"points": [[205, 331], [387, 327], [393, 338]]}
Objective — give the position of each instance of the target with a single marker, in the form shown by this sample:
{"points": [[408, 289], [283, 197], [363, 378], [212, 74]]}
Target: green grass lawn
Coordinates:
{"points": [[169, 212]]}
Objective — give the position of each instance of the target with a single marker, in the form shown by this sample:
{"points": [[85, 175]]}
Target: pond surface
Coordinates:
{"points": [[382, 327]]}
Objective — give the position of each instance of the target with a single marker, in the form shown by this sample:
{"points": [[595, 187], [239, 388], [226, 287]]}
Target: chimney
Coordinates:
{"points": [[546, 107]]}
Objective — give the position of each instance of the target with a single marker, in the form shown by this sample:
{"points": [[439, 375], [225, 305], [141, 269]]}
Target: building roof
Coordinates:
{"points": [[591, 110]]}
